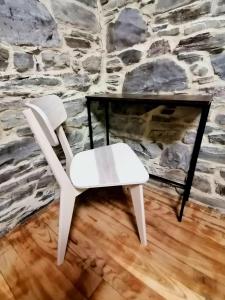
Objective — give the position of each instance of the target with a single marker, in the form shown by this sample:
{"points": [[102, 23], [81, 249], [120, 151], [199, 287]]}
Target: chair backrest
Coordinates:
{"points": [[50, 113], [45, 117]]}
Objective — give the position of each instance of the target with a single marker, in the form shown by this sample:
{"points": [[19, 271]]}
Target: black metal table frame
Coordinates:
{"points": [[196, 148]]}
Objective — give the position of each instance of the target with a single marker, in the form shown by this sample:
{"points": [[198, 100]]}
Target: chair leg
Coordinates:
{"points": [[67, 201], [138, 203]]}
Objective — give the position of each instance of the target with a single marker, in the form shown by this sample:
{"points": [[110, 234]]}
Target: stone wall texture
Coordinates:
{"points": [[72, 48]]}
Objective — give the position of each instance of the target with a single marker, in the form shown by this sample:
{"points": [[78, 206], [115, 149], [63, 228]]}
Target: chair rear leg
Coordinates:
{"points": [[138, 203], [67, 201]]}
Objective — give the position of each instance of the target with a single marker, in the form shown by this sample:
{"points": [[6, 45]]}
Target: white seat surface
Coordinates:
{"points": [[112, 165]]}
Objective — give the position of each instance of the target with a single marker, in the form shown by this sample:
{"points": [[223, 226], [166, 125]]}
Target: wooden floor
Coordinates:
{"points": [[105, 260]]}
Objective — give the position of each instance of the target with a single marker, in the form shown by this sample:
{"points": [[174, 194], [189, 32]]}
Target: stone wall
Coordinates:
{"points": [[170, 47], [73, 48], [46, 47]]}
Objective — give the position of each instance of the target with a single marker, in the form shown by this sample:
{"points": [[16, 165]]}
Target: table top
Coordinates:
{"points": [[178, 99]]}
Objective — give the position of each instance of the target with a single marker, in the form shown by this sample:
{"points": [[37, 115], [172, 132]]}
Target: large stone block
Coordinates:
{"points": [[214, 154], [55, 60], [129, 57], [176, 156], [27, 22], [163, 6], [185, 14], [218, 62], [202, 183], [11, 119], [159, 47], [23, 61], [77, 43], [69, 11], [217, 138], [80, 82], [4, 56], [128, 30], [159, 75], [92, 64], [202, 42], [18, 150], [31, 81]]}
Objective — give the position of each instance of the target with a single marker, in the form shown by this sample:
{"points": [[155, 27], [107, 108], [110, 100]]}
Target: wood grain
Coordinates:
{"points": [[105, 261]]}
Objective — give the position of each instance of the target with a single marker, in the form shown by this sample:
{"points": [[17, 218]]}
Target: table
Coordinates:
{"points": [[199, 101]]}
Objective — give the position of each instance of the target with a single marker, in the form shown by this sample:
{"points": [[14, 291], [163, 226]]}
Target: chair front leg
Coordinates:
{"points": [[67, 201], [138, 203]]}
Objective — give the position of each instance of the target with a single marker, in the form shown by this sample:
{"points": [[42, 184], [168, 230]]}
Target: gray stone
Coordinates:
{"points": [[159, 47], [189, 137], [185, 14], [218, 63], [151, 150], [159, 75], [222, 173], [24, 131], [80, 82], [211, 153], [35, 81], [18, 150], [176, 156], [204, 167], [70, 12], [202, 183], [220, 8], [198, 70], [21, 27], [164, 6], [4, 57], [128, 30], [77, 43], [55, 60], [113, 65], [202, 42], [169, 32], [190, 57], [130, 57], [11, 119], [204, 25], [45, 180], [220, 189], [84, 35], [77, 122], [159, 27], [92, 64], [217, 138], [220, 119], [74, 107], [74, 137], [92, 3], [23, 61], [204, 80]]}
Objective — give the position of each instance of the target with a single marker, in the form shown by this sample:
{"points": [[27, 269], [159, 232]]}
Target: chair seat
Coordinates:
{"points": [[112, 165]]}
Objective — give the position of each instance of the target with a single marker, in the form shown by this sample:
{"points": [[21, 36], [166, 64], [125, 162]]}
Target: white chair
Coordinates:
{"points": [[114, 165]]}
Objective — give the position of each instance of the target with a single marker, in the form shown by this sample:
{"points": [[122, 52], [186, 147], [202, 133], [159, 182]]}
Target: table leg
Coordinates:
{"points": [[90, 124], [194, 158], [107, 122]]}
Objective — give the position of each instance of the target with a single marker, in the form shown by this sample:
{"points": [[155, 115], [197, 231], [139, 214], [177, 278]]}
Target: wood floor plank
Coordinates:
{"points": [[52, 281], [106, 292], [5, 292], [104, 259], [18, 276], [199, 275], [104, 265], [133, 259]]}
